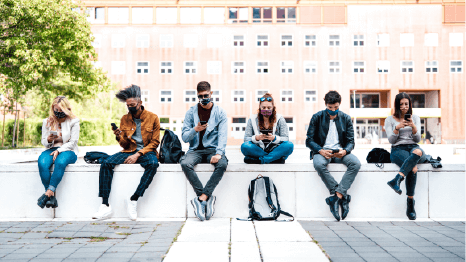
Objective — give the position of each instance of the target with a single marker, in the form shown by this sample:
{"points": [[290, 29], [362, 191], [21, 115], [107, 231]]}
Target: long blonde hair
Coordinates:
{"points": [[65, 106]]}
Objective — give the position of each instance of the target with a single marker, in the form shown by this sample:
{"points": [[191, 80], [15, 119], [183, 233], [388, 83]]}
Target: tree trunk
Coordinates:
{"points": [[14, 127]]}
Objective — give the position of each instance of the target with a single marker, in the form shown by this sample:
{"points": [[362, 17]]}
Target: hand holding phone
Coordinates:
{"points": [[203, 122], [407, 116], [54, 133], [114, 127], [334, 151]]}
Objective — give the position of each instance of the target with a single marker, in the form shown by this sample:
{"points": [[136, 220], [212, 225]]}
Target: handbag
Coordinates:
{"points": [[378, 156]]}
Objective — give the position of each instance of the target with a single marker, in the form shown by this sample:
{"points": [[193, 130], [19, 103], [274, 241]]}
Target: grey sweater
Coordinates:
{"points": [[280, 130], [405, 135]]}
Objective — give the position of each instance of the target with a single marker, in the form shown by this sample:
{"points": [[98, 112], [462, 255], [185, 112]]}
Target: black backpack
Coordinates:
{"points": [[170, 148], [95, 157], [378, 156]]}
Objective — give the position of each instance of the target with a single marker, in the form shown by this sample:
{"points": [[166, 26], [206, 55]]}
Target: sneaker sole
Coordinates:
{"points": [[398, 192], [213, 209], [195, 210], [102, 218]]}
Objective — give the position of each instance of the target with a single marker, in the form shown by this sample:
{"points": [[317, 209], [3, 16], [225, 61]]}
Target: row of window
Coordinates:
{"points": [[262, 40], [286, 67]]}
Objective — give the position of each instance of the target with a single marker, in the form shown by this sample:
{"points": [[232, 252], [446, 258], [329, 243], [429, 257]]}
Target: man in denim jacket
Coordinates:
{"points": [[205, 128]]}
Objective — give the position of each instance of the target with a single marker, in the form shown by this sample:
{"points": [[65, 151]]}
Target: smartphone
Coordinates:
{"points": [[203, 122], [266, 131], [334, 151], [407, 116], [114, 127], [55, 133]]}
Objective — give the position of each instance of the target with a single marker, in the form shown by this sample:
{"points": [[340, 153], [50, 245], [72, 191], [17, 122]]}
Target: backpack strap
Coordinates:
{"points": [[286, 214], [269, 197]]}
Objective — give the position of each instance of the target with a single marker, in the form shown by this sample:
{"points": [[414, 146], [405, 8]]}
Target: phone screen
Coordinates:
{"points": [[335, 151], [266, 132], [203, 122], [54, 133], [407, 116]]}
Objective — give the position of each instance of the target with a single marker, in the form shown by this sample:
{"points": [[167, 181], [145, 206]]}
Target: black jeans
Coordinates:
{"points": [[191, 159], [403, 156]]}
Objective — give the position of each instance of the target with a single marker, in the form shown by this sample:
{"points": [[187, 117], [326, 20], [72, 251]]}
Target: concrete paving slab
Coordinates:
{"points": [[270, 231], [198, 252], [242, 231], [245, 252], [214, 230], [292, 252]]}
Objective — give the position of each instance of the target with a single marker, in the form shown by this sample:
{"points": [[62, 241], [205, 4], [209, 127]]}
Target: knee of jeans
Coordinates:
{"points": [[43, 163], [356, 165], [245, 147], [186, 165], [222, 164], [417, 152], [152, 164], [319, 167], [288, 146]]}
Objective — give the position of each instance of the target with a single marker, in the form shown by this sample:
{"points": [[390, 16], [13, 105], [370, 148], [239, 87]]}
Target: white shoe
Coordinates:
{"points": [[131, 208], [103, 213]]}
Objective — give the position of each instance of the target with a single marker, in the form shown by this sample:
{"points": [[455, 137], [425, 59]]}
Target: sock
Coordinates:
{"points": [[105, 201], [134, 197]]}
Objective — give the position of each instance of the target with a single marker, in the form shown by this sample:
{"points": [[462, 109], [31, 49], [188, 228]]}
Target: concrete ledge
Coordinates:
{"points": [[440, 193]]}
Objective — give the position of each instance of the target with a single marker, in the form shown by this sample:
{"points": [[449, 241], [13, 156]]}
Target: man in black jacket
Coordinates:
{"points": [[331, 138]]}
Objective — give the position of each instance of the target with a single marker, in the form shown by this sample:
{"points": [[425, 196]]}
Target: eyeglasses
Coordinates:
{"points": [[264, 98], [203, 96], [60, 98]]}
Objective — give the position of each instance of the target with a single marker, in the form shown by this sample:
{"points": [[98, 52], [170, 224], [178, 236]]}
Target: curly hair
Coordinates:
{"points": [[272, 118], [132, 91]]}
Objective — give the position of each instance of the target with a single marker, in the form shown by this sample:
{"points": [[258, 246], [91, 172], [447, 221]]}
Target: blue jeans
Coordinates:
{"points": [[51, 181], [403, 156], [249, 149]]}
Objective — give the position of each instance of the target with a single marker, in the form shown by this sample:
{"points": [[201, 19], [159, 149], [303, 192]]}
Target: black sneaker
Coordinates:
{"points": [[52, 202], [250, 160], [42, 201], [278, 161]]}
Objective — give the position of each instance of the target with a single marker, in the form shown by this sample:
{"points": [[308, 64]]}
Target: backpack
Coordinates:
{"points": [[170, 148], [378, 156], [95, 157], [263, 200]]}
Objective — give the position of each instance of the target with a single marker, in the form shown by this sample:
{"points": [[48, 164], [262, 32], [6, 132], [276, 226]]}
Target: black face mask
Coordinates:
{"points": [[59, 114], [133, 110], [205, 101]]}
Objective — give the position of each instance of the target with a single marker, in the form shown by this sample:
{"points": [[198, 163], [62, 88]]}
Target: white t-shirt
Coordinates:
{"points": [[332, 142]]}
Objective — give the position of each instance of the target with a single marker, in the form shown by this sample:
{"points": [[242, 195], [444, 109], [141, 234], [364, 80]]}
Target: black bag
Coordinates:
{"points": [[95, 157], [378, 156], [170, 148]]}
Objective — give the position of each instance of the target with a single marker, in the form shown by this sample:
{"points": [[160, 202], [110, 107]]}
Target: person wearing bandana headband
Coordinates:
{"points": [[331, 130], [266, 139]]}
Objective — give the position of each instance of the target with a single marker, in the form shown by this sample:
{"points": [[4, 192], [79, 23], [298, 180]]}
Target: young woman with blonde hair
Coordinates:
{"points": [[60, 135]]}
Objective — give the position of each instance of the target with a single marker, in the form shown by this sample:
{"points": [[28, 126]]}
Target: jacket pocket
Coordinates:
{"points": [[147, 136]]}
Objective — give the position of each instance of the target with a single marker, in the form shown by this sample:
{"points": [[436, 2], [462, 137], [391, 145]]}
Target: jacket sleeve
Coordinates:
{"points": [[417, 123], [310, 143], [74, 137], [45, 134], [188, 132], [155, 139], [249, 134], [123, 141], [389, 127], [222, 133], [283, 131], [349, 135]]}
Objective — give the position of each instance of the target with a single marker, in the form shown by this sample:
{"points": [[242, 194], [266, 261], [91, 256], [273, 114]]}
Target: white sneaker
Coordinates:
{"points": [[103, 213], [131, 208]]}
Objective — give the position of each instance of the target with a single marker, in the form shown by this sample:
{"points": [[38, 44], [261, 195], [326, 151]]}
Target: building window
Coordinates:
{"points": [[431, 67], [238, 41], [260, 93], [383, 40], [166, 67], [358, 40], [100, 14], [238, 67], [142, 40], [262, 67], [214, 67], [238, 96], [238, 15], [263, 41], [97, 43], [190, 96], [118, 15], [190, 40], [418, 100], [262, 14], [142, 15], [217, 96], [286, 67], [214, 40], [456, 66], [407, 67], [166, 96], [383, 67], [456, 39], [406, 40], [190, 15], [190, 67], [310, 40], [365, 101], [286, 15], [334, 40], [334, 67], [166, 41], [289, 120], [214, 15], [238, 127], [118, 67], [310, 67], [166, 15], [310, 96], [118, 40], [286, 41], [145, 96], [431, 39], [367, 129], [358, 67], [142, 67], [286, 96]]}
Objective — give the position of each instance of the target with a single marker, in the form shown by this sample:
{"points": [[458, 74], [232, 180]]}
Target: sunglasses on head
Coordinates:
{"points": [[203, 96], [266, 98]]}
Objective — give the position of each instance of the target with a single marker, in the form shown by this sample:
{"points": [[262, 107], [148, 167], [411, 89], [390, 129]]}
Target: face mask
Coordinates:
{"points": [[59, 114], [205, 101], [332, 113], [133, 110], [266, 112]]}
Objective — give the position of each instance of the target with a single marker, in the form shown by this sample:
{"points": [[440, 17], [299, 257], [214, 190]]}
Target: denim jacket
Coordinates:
{"points": [[216, 134]]}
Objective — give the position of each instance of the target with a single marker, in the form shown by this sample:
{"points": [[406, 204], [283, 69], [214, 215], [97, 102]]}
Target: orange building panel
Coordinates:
{"points": [[310, 14]]}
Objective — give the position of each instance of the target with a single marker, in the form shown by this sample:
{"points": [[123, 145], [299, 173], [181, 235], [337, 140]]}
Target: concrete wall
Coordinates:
{"points": [[440, 192]]}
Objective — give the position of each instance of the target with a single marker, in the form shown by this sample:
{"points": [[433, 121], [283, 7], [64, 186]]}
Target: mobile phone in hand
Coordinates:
{"points": [[55, 133], [114, 127], [334, 151], [203, 122], [407, 116], [266, 131]]}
